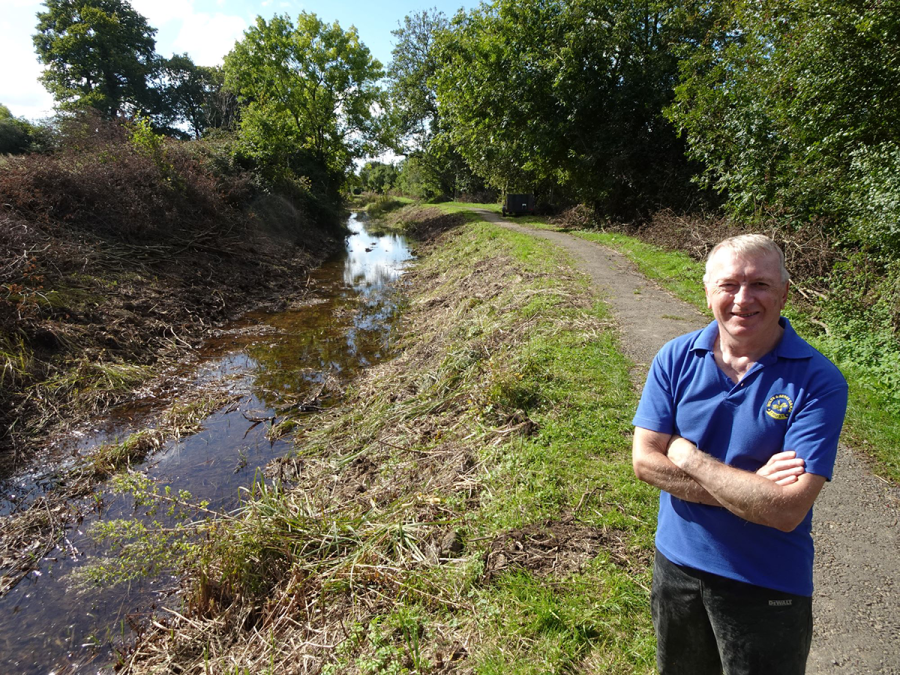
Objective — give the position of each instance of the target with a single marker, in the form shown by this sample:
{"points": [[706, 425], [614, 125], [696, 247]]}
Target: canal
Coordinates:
{"points": [[53, 621]]}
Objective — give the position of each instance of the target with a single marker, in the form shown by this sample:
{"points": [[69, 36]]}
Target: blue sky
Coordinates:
{"points": [[205, 29]]}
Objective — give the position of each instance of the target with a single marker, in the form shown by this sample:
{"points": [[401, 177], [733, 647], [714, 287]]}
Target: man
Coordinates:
{"points": [[738, 426]]}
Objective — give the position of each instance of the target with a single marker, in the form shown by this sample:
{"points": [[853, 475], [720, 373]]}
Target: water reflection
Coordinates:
{"points": [[269, 358]]}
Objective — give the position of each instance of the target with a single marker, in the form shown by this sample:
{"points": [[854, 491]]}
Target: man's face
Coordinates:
{"points": [[746, 294]]}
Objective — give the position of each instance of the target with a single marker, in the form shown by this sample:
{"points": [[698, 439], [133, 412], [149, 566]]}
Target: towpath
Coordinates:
{"points": [[856, 530]]}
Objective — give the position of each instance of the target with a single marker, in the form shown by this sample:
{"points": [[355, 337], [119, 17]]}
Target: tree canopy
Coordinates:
{"points": [[566, 93], [309, 87], [411, 75], [97, 53], [193, 95], [793, 109]]}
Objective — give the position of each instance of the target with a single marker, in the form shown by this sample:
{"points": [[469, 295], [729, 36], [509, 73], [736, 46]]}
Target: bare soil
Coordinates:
{"points": [[856, 526], [557, 549]]}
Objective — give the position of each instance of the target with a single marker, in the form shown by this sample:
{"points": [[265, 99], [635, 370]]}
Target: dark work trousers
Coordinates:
{"points": [[706, 625]]}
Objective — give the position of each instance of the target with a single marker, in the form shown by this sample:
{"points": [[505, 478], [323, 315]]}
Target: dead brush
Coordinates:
{"points": [[294, 569], [579, 217], [809, 254], [92, 385], [27, 536]]}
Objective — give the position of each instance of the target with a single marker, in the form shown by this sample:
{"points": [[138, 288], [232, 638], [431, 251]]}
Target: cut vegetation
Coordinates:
{"points": [[469, 505]]}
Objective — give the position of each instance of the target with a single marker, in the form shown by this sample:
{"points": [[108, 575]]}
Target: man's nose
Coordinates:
{"points": [[742, 294]]}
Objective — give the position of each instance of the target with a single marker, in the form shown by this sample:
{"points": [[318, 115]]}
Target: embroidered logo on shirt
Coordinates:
{"points": [[779, 407], [780, 603]]}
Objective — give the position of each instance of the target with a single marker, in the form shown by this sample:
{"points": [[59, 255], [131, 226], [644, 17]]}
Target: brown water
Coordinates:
{"points": [[47, 623]]}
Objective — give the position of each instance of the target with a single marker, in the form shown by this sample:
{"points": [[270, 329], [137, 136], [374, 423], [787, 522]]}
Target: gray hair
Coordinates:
{"points": [[746, 245]]}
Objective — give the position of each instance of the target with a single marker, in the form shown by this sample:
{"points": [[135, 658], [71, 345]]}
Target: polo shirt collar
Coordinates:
{"points": [[791, 345]]}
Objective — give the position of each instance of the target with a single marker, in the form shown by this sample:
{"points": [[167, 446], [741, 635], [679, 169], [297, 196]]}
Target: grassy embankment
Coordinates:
{"points": [[873, 415], [470, 504]]}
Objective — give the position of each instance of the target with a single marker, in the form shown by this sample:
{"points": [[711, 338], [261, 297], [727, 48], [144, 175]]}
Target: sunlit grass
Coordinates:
{"points": [[456, 207]]}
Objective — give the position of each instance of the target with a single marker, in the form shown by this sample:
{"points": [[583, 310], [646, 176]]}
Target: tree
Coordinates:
{"points": [[378, 176], [411, 74], [495, 93], [308, 91], [97, 53], [793, 108], [569, 94], [193, 95]]}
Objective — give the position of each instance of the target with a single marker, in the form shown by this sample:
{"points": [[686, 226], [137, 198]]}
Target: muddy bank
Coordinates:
{"points": [[87, 316]]}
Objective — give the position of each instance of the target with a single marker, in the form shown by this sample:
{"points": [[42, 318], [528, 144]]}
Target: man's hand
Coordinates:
{"points": [[783, 467]]}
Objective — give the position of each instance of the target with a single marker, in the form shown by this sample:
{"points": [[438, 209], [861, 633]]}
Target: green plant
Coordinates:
{"points": [[165, 537]]}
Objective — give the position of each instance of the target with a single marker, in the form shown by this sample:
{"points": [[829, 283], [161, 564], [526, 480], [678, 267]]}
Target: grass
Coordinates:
{"points": [[505, 419], [675, 270], [15, 361], [462, 207]]}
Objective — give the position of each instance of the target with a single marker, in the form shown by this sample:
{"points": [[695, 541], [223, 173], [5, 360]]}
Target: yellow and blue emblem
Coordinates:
{"points": [[779, 407]]}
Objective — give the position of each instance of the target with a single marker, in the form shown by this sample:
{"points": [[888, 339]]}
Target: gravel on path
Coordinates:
{"points": [[857, 571]]}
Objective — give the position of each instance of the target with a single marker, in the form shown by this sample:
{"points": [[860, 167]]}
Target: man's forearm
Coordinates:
{"points": [[652, 466], [748, 495], [665, 475]]}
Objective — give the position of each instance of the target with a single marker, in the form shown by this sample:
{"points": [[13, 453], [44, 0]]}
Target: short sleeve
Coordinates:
{"points": [[816, 428], [656, 410]]}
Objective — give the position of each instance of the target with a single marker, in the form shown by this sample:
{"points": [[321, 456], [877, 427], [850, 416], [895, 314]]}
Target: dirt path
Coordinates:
{"points": [[857, 571]]}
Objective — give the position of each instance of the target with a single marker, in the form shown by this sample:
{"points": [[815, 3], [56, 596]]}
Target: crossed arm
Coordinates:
{"points": [[779, 495]]}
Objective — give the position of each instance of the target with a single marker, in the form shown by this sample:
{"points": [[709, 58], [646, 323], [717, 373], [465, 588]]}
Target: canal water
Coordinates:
{"points": [[49, 623]]}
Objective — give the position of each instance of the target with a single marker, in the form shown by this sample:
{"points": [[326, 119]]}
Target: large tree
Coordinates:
{"points": [[308, 90], [793, 107], [411, 76], [567, 93], [97, 53], [193, 95], [433, 168]]}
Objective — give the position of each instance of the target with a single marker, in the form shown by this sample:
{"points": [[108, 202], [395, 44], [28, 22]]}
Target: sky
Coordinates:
{"points": [[205, 29]]}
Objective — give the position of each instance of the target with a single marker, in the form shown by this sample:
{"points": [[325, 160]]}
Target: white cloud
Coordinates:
{"points": [[20, 90], [184, 27], [22, 4], [209, 37], [160, 12]]}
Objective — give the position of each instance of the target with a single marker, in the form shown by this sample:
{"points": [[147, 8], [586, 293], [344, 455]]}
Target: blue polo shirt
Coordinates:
{"points": [[792, 399]]}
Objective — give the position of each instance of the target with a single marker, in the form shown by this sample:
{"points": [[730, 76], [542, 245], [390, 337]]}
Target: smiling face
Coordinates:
{"points": [[746, 295]]}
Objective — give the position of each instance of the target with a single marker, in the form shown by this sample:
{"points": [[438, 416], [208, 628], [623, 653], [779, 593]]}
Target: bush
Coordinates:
{"points": [[874, 201], [103, 183], [862, 316], [578, 217], [17, 136]]}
